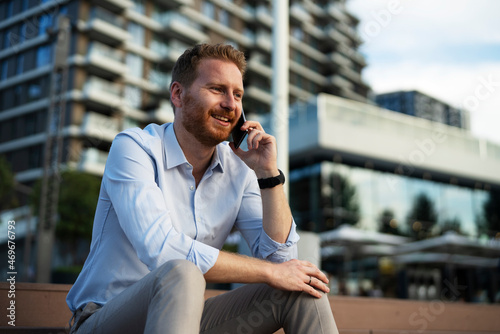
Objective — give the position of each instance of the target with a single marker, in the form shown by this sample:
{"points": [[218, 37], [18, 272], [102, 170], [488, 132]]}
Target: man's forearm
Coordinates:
{"points": [[236, 268], [293, 275], [277, 217]]}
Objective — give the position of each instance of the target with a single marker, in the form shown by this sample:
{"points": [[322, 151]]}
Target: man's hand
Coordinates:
{"points": [[262, 153], [296, 275], [293, 275]]}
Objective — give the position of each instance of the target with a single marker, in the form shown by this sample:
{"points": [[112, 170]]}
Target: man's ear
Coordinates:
{"points": [[176, 90]]}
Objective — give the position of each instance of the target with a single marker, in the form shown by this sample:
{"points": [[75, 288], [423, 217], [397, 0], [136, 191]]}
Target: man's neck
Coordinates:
{"points": [[197, 154]]}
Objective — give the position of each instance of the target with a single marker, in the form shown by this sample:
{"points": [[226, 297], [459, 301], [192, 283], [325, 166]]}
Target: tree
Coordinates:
{"points": [[422, 217], [388, 223], [76, 208], [8, 199], [341, 200], [452, 224], [490, 222]]}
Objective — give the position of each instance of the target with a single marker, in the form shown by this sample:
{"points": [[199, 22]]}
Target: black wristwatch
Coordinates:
{"points": [[271, 182]]}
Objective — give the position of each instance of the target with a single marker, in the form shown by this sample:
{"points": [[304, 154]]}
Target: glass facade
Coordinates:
{"points": [[328, 194]]}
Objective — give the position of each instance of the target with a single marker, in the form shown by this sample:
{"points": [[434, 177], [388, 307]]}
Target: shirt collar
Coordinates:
{"points": [[174, 156]]}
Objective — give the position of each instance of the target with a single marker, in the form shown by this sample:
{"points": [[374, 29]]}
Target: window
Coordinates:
{"points": [[224, 18], [139, 6], [134, 64], [132, 96], [22, 33], [158, 45], [4, 70], [34, 91], [10, 9], [20, 64], [137, 33], [24, 5], [45, 22], [208, 10], [9, 39], [43, 55], [30, 124]]}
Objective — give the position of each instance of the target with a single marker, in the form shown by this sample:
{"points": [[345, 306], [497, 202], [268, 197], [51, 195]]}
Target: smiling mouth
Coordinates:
{"points": [[221, 118]]}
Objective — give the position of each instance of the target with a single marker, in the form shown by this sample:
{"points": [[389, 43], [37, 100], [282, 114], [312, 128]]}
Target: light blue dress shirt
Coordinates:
{"points": [[150, 211]]}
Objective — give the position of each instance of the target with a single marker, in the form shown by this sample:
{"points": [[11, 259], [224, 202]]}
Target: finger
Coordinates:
{"points": [[318, 284], [315, 272], [252, 125], [312, 291], [254, 137]]}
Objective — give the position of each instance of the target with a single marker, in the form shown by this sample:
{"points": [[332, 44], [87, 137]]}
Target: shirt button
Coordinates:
{"points": [[191, 188]]}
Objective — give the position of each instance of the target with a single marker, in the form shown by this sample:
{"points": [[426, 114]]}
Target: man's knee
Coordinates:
{"points": [[183, 273]]}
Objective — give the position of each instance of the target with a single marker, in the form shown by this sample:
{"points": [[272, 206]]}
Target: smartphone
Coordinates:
{"points": [[237, 134]]}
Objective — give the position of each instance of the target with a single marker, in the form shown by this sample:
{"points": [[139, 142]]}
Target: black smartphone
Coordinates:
{"points": [[238, 135]]}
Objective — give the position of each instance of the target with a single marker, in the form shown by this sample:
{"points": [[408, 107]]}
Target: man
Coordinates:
{"points": [[169, 197]]}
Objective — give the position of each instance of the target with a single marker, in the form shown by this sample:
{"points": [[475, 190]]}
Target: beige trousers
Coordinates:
{"points": [[170, 299]]}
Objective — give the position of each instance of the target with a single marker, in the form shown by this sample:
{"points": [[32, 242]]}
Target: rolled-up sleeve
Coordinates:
{"points": [[130, 182]]}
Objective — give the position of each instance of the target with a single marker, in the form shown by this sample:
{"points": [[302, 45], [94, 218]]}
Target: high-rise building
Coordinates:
{"points": [[120, 58], [417, 104]]}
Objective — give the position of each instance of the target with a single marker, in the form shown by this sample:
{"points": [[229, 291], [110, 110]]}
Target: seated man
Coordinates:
{"points": [[170, 195]]}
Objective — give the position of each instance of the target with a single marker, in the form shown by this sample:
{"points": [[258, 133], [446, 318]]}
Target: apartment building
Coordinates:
{"points": [[120, 56], [417, 104]]}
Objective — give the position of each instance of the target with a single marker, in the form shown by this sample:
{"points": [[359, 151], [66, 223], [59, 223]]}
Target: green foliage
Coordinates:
{"points": [[344, 200], [453, 225], [388, 223], [422, 217], [77, 203], [8, 198], [491, 215]]}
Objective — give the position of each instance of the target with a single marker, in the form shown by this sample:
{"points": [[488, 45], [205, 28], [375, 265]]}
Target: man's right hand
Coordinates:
{"points": [[297, 275], [293, 275]]}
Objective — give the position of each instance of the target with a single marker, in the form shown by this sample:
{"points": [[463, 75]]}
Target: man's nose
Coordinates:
{"points": [[229, 103]]}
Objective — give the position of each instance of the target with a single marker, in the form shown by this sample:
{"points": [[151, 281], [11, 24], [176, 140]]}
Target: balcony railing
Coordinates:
{"points": [[100, 126]]}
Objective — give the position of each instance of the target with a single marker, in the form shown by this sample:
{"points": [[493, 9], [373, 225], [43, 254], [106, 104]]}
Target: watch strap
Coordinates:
{"points": [[271, 182]]}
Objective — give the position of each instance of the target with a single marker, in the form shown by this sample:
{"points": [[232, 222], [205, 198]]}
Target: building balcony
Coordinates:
{"points": [[106, 27], [333, 34], [264, 40], [172, 4], [163, 114], [102, 94], [307, 73], [178, 26], [339, 59], [116, 6], [333, 11], [392, 141], [339, 82], [93, 161], [349, 32], [256, 93], [100, 126], [105, 61], [263, 15], [300, 14], [257, 66], [351, 74]]}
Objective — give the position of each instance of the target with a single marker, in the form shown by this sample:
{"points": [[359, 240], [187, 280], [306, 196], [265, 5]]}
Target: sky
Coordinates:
{"points": [[448, 49]]}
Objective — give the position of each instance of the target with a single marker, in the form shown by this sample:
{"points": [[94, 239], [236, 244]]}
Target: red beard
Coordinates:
{"points": [[198, 122]]}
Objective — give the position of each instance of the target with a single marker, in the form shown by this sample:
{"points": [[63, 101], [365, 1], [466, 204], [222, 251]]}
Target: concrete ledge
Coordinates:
{"points": [[41, 308]]}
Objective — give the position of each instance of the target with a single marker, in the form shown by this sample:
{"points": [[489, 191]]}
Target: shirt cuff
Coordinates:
{"points": [[279, 252], [203, 256]]}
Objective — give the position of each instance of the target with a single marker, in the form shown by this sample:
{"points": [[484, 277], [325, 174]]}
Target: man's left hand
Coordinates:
{"points": [[262, 152]]}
